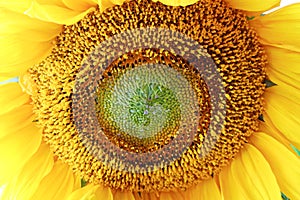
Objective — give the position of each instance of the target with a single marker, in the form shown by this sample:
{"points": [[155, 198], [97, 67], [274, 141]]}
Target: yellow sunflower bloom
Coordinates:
{"points": [[141, 99]]}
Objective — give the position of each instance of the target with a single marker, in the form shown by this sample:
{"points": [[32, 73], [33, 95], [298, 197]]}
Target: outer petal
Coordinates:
{"points": [[19, 137], [283, 67], [56, 11], [249, 176], [88, 192], [57, 185], [12, 97], [284, 164], [171, 196], [27, 41], [55, 14], [284, 111], [206, 190], [254, 5], [26, 182], [280, 28], [268, 127], [80, 5], [123, 196]]}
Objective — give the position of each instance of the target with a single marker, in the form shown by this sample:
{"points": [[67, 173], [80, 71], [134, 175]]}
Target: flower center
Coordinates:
{"points": [[149, 97]]}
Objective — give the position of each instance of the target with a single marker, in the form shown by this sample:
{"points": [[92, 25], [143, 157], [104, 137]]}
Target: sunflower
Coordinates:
{"points": [[149, 100]]}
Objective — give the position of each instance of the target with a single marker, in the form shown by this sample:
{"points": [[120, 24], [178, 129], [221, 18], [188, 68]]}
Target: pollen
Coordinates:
{"points": [[150, 97]]}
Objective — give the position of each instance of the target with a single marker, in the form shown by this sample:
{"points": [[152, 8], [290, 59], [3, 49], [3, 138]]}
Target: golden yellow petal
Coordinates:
{"points": [[280, 28], [254, 5], [177, 2], [85, 193], [283, 66], [13, 121], [80, 5], [56, 14], [284, 164], [27, 41], [146, 196], [18, 6], [268, 127], [57, 185], [16, 148], [12, 97], [171, 196], [103, 193], [249, 170], [56, 11], [25, 27], [118, 195], [205, 190], [19, 55], [26, 182], [283, 60], [284, 114], [229, 188], [288, 78]]}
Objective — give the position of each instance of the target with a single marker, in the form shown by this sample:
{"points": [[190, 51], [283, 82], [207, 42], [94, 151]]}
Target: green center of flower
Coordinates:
{"points": [[146, 103]]}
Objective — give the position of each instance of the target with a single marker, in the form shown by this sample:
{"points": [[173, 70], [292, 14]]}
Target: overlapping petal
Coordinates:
{"points": [[20, 141], [26, 40], [284, 164], [249, 176], [280, 28], [283, 109], [25, 183], [205, 190], [62, 182], [254, 5], [96, 192]]}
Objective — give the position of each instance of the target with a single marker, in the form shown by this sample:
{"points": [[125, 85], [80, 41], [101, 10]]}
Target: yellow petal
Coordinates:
{"points": [[284, 114], [288, 78], [20, 6], [80, 5], [89, 192], [146, 196], [57, 185], [280, 28], [171, 196], [12, 97], [58, 11], [283, 66], [284, 164], [17, 148], [26, 182], [177, 2], [268, 127], [285, 91], [254, 5], [13, 121], [230, 190], [22, 26], [283, 60], [206, 190], [56, 14], [250, 177], [19, 55], [107, 4], [27, 41], [118, 195]]}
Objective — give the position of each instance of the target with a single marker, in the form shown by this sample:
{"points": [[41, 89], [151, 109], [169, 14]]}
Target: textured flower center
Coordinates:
{"points": [[149, 97]]}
